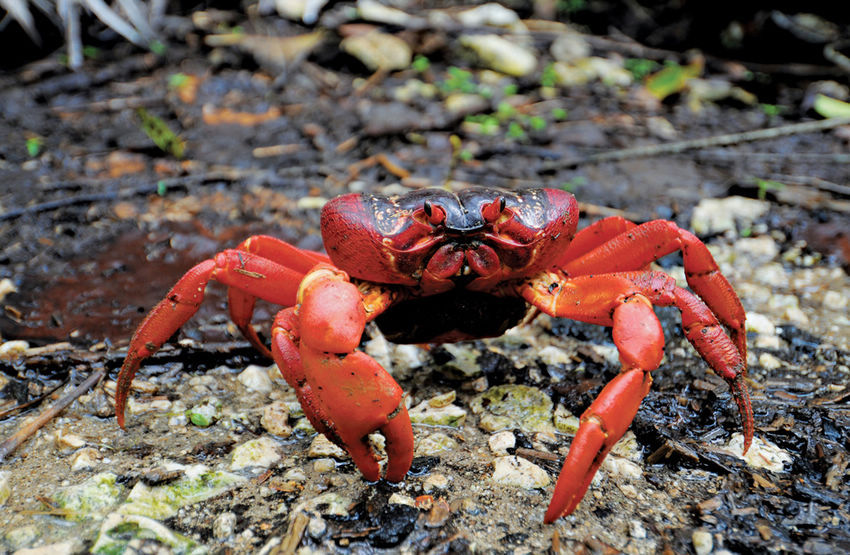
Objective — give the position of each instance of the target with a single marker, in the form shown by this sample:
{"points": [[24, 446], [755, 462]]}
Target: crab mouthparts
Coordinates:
{"points": [[462, 260]]}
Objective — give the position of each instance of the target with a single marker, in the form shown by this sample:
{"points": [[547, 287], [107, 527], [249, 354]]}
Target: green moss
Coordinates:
{"points": [[91, 498], [198, 483], [514, 406]]}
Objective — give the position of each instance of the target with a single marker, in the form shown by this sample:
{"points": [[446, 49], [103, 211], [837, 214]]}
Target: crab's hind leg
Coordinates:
{"points": [[625, 301], [345, 393], [241, 303], [256, 276], [636, 247]]}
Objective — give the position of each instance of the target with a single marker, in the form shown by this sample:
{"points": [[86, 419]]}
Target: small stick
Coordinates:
{"points": [[12, 443], [717, 140]]}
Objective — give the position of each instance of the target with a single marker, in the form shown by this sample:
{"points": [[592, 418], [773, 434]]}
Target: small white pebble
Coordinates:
{"points": [[769, 362], [322, 447], [256, 378], [85, 459], [637, 530], [500, 442], [224, 525], [324, 465], [703, 542], [435, 482]]}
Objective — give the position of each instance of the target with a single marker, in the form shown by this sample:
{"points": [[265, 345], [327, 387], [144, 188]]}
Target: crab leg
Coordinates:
{"points": [[256, 276], [625, 300], [594, 235], [636, 247], [241, 303], [345, 394]]}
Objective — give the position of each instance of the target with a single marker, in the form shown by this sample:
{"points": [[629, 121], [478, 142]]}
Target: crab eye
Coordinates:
{"points": [[435, 214], [493, 210]]}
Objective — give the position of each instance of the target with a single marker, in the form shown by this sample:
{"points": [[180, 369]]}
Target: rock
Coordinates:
{"points": [[551, 355], [491, 14], [513, 406], [305, 10], [317, 527], [762, 453], [443, 400], [323, 447], [224, 525], [769, 361], [464, 360], [760, 324], [256, 453], [206, 413], [500, 442], [256, 378], [449, 415], [835, 300], [371, 10], [119, 531], [620, 467], [85, 459], [92, 498], [703, 542], [565, 421], [68, 547], [463, 104], [275, 419], [324, 465], [68, 442], [590, 69], [10, 350], [501, 54], [757, 250], [330, 503], [378, 50], [5, 487], [720, 215], [197, 483], [435, 482], [637, 529], [434, 444], [515, 471], [311, 203], [295, 475], [400, 499], [569, 47], [22, 536]]}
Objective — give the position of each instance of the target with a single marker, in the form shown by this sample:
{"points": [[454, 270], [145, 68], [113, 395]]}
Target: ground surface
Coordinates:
{"points": [[98, 223]]}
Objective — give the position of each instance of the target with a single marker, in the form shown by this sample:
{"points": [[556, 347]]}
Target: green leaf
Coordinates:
{"points": [[159, 132], [672, 78], [420, 63], [830, 107], [537, 123], [766, 185], [515, 131], [177, 80], [34, 145]]}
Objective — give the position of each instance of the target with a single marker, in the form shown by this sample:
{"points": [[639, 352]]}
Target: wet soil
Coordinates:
{"points": [[98, 225]]}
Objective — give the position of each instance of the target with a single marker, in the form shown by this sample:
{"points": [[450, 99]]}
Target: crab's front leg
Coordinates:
{"points": [[625, 301], [345, 393]]}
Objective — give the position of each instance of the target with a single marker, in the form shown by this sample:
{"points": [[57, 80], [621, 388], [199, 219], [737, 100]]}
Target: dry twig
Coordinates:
{"points": [[12, 443], [717, 140]]}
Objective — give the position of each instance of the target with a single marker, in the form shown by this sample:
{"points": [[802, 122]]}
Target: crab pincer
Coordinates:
{"points": [[345, 394]]}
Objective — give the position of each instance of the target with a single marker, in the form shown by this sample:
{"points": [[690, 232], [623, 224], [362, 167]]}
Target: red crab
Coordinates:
{"points": [[434, 266]]}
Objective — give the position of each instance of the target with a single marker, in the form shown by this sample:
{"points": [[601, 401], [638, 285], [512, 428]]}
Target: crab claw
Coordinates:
{"points": [[602, 425], [345, 394]]}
